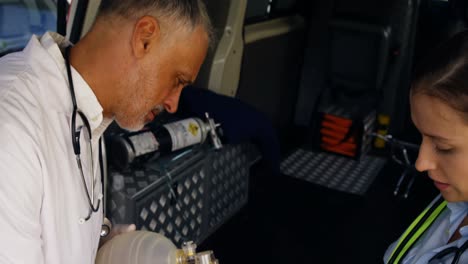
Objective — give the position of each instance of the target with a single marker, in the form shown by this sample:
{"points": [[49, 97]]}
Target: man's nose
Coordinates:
{"points": [[172, 101], [426, 158]]}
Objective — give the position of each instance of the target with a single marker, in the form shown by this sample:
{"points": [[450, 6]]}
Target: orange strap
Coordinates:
{"points": [[336, 135], [335, 127], [338, 150], [337, 143], [338, 120]]}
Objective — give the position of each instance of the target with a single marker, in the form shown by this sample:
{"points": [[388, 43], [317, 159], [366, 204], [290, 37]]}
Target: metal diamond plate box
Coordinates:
{"points": [[185, 196]]}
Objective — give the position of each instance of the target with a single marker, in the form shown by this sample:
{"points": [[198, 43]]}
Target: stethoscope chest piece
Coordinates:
{"points": [[106, 227]]}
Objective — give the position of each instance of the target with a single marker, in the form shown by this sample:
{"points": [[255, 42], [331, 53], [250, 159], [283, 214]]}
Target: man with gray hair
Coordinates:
{"points": [[56, 100]]}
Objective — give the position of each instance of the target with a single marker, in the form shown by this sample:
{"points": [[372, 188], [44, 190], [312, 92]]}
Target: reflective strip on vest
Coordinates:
{"points": [[416, 229]]}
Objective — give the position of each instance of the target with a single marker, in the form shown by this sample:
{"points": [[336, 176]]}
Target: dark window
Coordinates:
{"points": [[19, 20]]}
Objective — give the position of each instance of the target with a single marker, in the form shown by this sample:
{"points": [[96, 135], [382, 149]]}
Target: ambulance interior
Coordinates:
{"points": [[281, 68]]}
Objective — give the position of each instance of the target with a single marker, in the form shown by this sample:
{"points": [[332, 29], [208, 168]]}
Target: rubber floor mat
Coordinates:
{"points": [[333, 171]]}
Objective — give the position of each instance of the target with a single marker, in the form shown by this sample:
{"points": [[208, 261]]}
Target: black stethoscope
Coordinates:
{"points": [[458, 251], [75, 134]]}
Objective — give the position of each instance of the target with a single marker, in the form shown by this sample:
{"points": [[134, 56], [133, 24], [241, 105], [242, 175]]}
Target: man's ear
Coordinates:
{"points": [[145, 35]]}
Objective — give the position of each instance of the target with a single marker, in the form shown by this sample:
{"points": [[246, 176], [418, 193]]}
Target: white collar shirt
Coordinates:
{"points": [[42, 196], [436, 237]]}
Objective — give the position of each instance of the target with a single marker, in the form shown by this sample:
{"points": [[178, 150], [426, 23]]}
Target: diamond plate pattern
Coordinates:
{"points": [[229, 191], [207, 188], [176, 217], [333, 171]]}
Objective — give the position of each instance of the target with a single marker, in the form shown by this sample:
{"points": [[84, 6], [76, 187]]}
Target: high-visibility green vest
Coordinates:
{"points": [[416, 229]]}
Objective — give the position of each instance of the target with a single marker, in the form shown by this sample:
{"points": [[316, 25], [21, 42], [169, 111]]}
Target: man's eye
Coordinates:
{"points": [[180, 82]]}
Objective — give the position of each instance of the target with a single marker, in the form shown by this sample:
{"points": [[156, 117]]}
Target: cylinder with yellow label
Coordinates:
{"points": [[125, 148], [186, 133]]}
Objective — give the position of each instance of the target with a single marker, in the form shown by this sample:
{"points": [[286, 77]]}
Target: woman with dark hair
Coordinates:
{"points": [[439, 110]]}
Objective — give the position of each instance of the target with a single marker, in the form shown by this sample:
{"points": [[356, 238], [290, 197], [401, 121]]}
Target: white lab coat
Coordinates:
{"points": [[42, 196]]}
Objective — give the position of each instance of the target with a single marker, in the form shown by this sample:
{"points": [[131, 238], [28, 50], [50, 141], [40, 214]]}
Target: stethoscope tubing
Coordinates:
{"points": [[75, 134]]}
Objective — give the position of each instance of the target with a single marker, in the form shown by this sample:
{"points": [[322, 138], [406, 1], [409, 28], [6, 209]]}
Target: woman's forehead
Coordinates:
{"points": [[433, 116]]}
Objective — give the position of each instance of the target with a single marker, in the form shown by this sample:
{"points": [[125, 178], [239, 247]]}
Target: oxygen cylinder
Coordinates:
{"points": [[171, 137], [144, 247]]}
